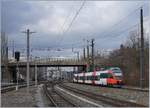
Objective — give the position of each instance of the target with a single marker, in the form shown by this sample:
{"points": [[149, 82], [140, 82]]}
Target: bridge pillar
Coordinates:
{"points": [[6, 75]]}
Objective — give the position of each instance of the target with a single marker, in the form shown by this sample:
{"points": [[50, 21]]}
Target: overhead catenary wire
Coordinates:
{"points": [[77, 13], [78, 43], [75, 16], [108, 36], [119, 34], [119, 22], [62, 28]]}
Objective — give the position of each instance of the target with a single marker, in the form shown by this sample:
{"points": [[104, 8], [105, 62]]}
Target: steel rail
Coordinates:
{"points": [[49, 96], [134, 89], [53, 101], [62, 96], [105, 99], [123, 87]]}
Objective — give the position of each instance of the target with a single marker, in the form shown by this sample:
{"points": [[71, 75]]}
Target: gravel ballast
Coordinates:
{"points": [[122, 94], [20, 98]]}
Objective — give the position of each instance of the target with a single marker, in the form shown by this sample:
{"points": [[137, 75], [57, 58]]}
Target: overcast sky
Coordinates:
{"points": [[51, 19]]}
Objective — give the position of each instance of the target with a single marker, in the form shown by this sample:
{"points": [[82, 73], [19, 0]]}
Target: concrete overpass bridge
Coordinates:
{"points": [[50, 63], [41, 64]]}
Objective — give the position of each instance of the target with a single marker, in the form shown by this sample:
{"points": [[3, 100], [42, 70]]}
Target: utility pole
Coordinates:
{"points": [[17, 56], [92, 45], [141, 50], [84, 53], [28, 54], [13, 49], [78, 55], [88, 63], [87, 51], [84, 49]]}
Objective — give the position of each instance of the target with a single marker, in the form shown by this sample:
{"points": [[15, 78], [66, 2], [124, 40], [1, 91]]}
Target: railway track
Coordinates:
{"points": [[107, 100], [123, 87], [134, 89], [57, 98]]}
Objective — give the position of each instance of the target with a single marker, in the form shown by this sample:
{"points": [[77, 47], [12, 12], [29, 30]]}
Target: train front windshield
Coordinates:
{"points": [[117, 71]]}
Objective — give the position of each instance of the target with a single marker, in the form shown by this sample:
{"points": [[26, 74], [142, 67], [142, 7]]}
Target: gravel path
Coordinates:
{"points": [[122, 94], [41, 98], [20, 98]]}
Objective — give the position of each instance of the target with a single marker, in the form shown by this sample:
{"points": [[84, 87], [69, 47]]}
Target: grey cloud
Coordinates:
{"points": [[46, 18]]}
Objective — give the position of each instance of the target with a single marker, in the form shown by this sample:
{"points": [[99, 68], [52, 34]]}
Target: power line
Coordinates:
{"points": [[120, 21], [67, 17], [121, 32], [77, 13], [63, 25], [48, 47]]}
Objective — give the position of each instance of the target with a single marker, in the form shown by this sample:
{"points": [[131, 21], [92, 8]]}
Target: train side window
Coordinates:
{"points": [[103, 75], [96, 77], [90, 77], [83, 78], [87, 77]]}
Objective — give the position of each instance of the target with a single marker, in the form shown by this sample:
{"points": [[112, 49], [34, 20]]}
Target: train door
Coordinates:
{"points": [[103, 79], [83, 77], [93, 77], [77, 78]]}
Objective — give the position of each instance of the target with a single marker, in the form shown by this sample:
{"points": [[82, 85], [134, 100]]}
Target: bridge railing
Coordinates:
{"points": [[54, 61]]}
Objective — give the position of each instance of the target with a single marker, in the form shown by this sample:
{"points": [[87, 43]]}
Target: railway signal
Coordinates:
{"points": [[92, 45], [17, 57]]}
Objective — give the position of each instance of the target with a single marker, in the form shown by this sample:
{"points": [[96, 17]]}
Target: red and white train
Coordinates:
{"points": [[110, 77]]}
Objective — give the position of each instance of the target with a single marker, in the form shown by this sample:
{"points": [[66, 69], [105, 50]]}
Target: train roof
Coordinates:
{"points": [[90, 73]]}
